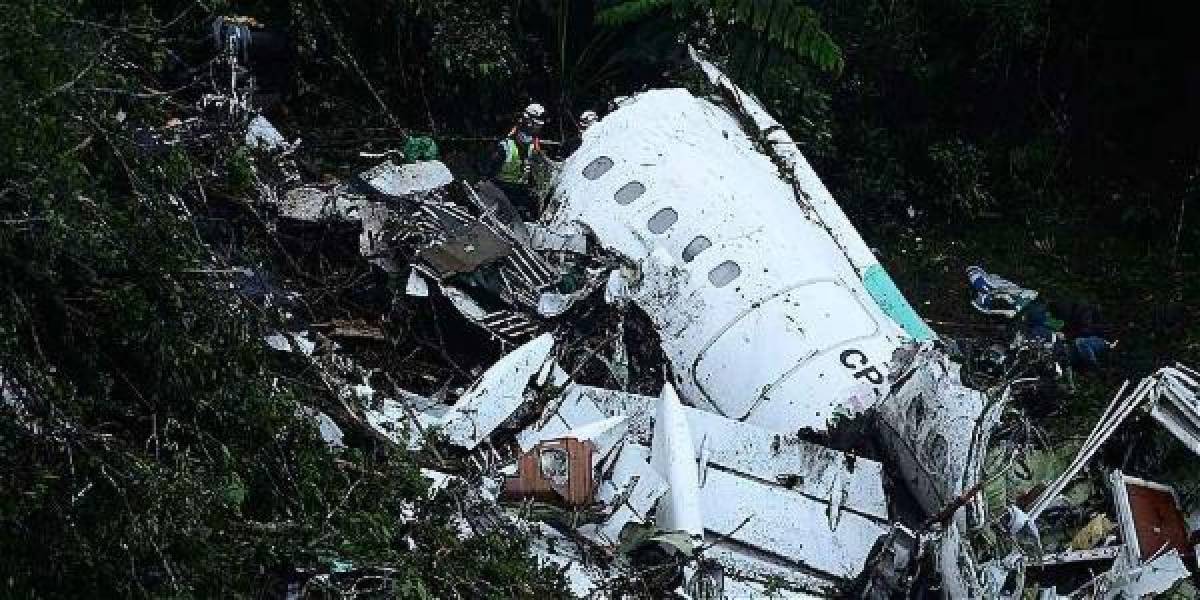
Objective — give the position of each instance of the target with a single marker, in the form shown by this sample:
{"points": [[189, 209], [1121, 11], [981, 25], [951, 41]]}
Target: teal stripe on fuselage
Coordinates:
{"points": [[881, 287]]}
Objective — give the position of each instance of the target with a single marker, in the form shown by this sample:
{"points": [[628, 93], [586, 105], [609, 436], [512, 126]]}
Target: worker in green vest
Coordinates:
{"points": [[514, 158]]}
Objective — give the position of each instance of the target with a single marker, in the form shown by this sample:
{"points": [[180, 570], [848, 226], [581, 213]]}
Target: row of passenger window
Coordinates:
{"points": [[720, 275]]}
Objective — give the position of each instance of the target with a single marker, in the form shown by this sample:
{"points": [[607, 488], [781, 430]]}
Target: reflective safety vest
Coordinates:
{"points": [[513, 169]]}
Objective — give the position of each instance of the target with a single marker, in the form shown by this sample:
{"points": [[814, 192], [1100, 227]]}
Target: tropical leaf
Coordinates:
{"points": [[630, 11], [787, 24]]}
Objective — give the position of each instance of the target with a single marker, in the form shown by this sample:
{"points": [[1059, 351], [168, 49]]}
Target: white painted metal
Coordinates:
{"points": [[672, 455], [497, 394], [400, 180], [936, 431], [738, 447], [786, 524], [795, 338]]}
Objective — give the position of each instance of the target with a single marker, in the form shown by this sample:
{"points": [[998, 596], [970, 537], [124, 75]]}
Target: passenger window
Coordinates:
{"points": [[695, 247], [629, 192], [662, 220], [599, 166], [724, 273]]}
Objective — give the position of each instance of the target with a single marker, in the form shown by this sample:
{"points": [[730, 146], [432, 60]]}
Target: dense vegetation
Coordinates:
{"points": [[154, 449]]}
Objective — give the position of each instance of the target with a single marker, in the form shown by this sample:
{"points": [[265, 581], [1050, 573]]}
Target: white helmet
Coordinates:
{"points": [[535, 112], [588, 118]]}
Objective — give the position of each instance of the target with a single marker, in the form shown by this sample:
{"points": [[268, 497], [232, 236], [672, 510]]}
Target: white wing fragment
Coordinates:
{"points": [[673, 457], [498, 393]]}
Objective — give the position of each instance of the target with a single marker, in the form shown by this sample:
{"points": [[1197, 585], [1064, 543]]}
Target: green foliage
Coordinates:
{"points": [[148, 445], [959, 182], [447, 63], [788, 25], [629, 11], [418, 147]]}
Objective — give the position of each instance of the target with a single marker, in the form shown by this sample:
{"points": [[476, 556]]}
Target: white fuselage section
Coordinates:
{"points": [[761, 310]]}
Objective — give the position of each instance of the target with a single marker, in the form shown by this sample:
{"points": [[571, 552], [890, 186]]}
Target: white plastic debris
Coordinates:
{"points": [[291, 342], [630, 490], [262, 134], [466, 305], [401, 180], [416, 286], [1149, 580], [314, 203], [673, 457], [556, 240], [330, 432], [437, 480], [497, 393], [616, 289]]}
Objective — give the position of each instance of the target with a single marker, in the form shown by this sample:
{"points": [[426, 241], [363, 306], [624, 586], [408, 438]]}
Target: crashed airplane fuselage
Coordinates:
{"points": [[770, 310], [770, 307]]}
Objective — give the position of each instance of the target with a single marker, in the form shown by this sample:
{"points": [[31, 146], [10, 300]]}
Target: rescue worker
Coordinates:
{"points": [[587, 119], [514, 159]]}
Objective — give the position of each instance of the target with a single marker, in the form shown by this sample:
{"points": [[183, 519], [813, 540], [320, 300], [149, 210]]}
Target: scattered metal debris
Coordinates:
{"points": [[811, 435]]}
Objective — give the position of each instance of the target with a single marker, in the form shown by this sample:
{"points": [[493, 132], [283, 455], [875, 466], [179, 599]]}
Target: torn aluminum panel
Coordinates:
{"points": [[373, 241], [552, 240], [403, 420], [326, 427], [317, 203], [416, 285], [390, 179], [498, 393], [1148, 580], [464, 250], [630, 487], [330, 432], [260, 133], [674, 458], [747, 572], [1177, 405], [771, 498], [734, 446], [780, 522], [291, 342], [936, 430], [785, 339]]}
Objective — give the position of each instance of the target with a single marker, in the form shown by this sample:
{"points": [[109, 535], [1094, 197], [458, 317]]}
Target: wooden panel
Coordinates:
{"points": [[555, 471], [1157, 520]]}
